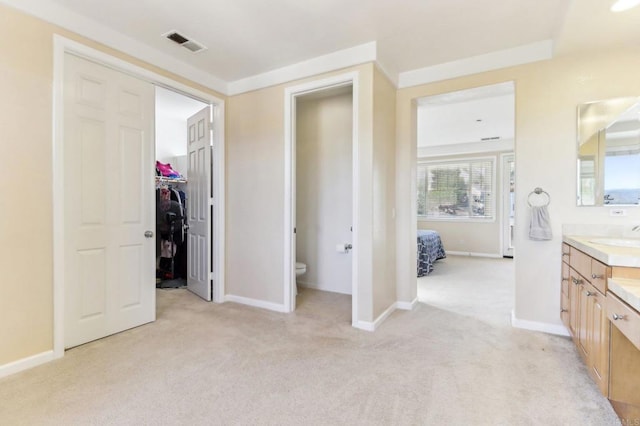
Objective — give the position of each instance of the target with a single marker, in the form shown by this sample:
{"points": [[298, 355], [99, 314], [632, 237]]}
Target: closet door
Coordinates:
{"points": [[108, 177], [199, 204]]}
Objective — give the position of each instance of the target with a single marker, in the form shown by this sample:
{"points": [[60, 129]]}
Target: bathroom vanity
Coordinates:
{"points": [[600, 306]]}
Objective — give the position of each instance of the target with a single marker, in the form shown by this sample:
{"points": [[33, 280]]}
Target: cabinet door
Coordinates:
{"points": [[574, 303], [565, 301], [598, 336], [584, 320]]}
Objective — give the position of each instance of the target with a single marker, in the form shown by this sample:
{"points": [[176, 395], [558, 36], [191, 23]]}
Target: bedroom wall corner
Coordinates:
{"points": [[384, 188], [406, 217]]}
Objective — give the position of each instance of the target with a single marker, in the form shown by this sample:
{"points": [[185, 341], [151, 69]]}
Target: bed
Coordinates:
{"points": [[430, 249]]}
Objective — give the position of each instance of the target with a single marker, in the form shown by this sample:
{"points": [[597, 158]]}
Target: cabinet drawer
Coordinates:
{"points": [[599, 274], [580, 262], [566, 252], [624, 318]]}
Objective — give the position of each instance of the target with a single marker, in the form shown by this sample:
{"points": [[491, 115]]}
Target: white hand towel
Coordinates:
{"points": [[540, 227]]}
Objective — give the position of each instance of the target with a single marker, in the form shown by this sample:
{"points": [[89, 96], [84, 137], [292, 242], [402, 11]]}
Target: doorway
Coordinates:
{"points": [[139, 166], [323, 173], [337, 246], [465, 167], [183, 193], [508, 203]]}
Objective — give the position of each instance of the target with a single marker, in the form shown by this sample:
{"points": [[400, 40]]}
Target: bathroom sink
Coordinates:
{"points": [[617, 242]]}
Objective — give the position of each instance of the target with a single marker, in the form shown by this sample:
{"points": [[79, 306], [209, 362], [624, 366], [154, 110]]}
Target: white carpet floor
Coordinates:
{"points": [[453, 360]]}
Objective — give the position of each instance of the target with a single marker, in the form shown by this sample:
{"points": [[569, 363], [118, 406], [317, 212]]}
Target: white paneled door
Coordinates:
{"points": [[199, 203], [109, 249]]}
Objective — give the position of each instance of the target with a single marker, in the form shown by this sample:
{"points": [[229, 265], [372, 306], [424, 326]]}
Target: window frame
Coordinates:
{"points": [[468, 160]]}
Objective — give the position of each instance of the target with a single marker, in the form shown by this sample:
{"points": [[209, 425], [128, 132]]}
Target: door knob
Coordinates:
{"points": [[148, 234]]}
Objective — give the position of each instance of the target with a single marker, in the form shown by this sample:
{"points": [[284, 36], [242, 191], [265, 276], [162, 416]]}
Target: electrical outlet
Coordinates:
{"points": [[617, 212]]}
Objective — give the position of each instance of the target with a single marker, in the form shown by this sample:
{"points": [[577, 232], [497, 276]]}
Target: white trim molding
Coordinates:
{"points": [[373, 325], [326, 63], [407, 306], [26, 363], [59, 15], [559, 330], [276, 307], [473, 254], [538, 51]]}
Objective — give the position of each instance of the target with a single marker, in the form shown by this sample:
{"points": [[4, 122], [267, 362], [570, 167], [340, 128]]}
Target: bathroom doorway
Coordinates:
{"points": [[322, 190]]}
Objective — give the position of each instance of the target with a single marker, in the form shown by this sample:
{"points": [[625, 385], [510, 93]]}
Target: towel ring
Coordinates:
{"points": [[538, 191]]}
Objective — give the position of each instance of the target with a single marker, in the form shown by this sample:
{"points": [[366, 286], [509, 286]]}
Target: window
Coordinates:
{"points": [[457, 189]]}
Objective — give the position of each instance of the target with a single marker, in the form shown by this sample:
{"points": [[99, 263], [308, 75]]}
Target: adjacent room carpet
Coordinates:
{"points": [[455, 360]]}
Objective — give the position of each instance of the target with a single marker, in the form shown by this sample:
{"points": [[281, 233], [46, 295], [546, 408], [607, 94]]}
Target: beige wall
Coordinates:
{"points": [[26, 307], [324, 145], [472, 237], [255, 165], [26, 227], [547, 94], [255, 195], [384, 232]]}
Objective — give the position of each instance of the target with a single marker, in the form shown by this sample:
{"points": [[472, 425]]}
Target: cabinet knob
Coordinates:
{"points": [[563, 311], [591, 293], [617, 317], [565, 279], [565, 254], [576, 281], [596, 277]]}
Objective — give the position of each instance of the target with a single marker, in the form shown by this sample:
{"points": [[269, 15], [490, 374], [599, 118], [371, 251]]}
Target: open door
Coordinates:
{"points": [[199, 204], [109, 250]]}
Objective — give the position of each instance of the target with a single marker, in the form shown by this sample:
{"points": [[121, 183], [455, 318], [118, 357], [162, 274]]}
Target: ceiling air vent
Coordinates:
{"points": [[185, 41], [492, 138]]}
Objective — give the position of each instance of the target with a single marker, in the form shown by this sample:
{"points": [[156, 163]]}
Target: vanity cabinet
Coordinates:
{"points": [[583, 310], [600, 306], [624, 392]]}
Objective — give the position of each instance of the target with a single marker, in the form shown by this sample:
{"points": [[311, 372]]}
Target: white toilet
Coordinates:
{"points": [[301, 269]]}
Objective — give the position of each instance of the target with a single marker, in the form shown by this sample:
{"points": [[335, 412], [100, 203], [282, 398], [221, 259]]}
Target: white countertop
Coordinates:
{"points": [[611, 255], [627, 290]]}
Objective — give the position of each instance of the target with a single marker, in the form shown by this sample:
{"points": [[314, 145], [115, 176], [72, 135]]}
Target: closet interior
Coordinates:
{"points": [[171, 114]]}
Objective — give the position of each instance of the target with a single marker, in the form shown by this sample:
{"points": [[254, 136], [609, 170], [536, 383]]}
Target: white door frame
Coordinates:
{"points": [[62, 45], [504, 215], [291, 95]]}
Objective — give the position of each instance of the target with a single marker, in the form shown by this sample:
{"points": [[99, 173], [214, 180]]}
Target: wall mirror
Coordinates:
{"points": [[609, 152]]}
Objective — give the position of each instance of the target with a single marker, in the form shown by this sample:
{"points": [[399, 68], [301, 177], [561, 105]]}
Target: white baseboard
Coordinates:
{"points": [[472, 254], [407, 306], [255, 303], [26, 363], [372, 325], [323, 288], [559, 330]]}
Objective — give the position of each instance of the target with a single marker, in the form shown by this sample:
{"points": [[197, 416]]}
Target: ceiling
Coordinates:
{"points": [[247, 38], [175, 106], [481, 115]]}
